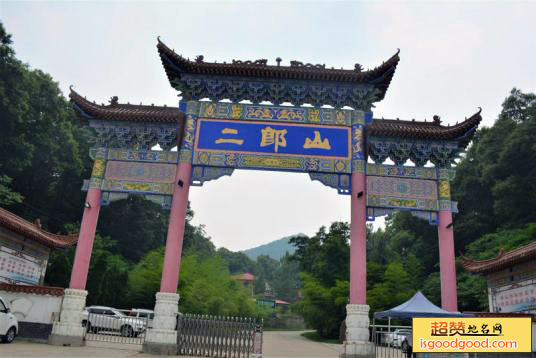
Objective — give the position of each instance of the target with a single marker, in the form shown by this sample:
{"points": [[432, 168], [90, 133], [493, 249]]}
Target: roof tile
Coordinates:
{"points": [[125, 112], [501, 261], [29, 230]]}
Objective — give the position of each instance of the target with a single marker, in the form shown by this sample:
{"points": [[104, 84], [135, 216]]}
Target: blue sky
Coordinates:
{"points": [[455, 56]]}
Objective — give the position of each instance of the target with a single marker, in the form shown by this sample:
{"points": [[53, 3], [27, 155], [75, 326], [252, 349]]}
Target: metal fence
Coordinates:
{"points": [[211, 336], [116, 326], [390, 341]]}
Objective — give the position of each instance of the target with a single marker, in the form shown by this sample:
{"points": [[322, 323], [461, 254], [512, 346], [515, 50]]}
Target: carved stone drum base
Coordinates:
{"points": [[357, 343]]}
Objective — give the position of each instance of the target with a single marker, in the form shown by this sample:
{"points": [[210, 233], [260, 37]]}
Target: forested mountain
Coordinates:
{"points": [[275, 249]]}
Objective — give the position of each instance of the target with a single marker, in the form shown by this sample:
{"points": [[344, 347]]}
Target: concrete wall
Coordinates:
{"points": [[34, 312]]}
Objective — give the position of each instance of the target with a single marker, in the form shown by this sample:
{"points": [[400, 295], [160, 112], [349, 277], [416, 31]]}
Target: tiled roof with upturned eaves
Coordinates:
{"points": [[461, 132], [381, 76], [502, 260], [15, 223], [125, 112]]}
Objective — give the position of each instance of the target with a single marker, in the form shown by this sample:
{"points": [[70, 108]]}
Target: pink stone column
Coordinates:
{"points": [[447, 263], [358, 241], [177, 217], [85, 240]]}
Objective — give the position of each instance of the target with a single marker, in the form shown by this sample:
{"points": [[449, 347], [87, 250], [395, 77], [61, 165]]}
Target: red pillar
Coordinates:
{"points": [[177, 217], [358, 241], [85, 240], [447, 263]]}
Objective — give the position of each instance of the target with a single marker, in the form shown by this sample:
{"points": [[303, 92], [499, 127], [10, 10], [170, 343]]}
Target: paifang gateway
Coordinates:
{"points": [[223, 123]]}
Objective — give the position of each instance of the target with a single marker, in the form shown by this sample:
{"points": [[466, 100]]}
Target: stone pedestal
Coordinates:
{"points": [[357, 343], [68, 331], [162, 338]]}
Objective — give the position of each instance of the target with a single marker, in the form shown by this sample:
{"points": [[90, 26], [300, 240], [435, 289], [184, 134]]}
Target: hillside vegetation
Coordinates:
{"points": [[275, 249]]}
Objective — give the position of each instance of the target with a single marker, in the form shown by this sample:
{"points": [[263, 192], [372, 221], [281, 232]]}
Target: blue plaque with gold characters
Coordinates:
{"points": [[285, 140]]}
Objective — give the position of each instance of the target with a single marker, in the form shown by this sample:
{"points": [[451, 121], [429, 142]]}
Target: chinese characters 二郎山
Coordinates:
{"points": [[275, 137], [317, 142], [229, 140]]}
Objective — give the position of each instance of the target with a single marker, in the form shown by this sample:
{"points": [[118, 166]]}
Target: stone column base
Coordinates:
{"points": [[357, 344], [358, 350], [68, 331], [162, 338]]}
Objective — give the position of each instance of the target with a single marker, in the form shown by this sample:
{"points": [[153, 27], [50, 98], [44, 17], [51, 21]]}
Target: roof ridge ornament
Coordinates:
{"points": [[309, 65], [259, 62]]}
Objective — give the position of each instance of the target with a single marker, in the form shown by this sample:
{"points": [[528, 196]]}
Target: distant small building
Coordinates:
{"points": [[25, 248], [273, 303], [246, 280], [511, 278]]}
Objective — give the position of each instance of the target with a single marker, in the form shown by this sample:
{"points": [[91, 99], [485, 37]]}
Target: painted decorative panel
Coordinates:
{"points": [[271, 162], [143, 155], [137, 187], [323, 116], [237, 89], [402, 188], [133, 135], [121, 172], [341, 182], [430, 216], [203, 174], [413, 194], [144, 172], [442, 154], [401, 171]]}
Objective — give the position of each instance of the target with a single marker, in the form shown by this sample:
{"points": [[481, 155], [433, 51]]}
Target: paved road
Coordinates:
{"points": [[276, 345], [291, 344], [19, 349]]}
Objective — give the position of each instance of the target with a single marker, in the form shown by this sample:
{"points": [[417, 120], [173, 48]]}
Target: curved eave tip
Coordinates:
{"points": [[73, 93], [479, 110]]}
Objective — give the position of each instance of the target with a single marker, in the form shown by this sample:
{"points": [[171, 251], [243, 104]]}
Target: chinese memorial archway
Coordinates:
{"points": [[213, 138]]}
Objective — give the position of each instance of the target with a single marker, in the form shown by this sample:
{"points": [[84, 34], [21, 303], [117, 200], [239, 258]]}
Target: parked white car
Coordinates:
{"points": [[101, 318], [143, 314], [9, 325]]}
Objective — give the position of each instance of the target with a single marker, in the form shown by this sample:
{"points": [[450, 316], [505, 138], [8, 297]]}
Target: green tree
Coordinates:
{"points": [[286, 279], [136, 224], [107, 273], [323, 308], [205, 286], [326, 255], [396, 288], [42, 149], [144, 279], [7, 196], [237, 262]]}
